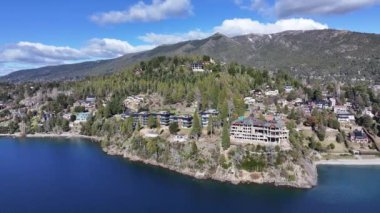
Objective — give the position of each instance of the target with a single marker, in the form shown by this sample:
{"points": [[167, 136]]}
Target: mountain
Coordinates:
{"points": [[316, 53]]}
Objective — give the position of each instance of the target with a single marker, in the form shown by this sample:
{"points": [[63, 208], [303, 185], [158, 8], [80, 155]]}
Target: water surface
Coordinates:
{"points": [[61, 175]]}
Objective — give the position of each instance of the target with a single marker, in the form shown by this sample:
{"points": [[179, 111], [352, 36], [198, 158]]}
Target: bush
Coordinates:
{"points": [[331, 146], [173, 128], [250, 164]]}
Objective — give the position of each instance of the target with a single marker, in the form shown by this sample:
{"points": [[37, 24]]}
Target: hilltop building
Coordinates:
{"points": [[197, 67]]}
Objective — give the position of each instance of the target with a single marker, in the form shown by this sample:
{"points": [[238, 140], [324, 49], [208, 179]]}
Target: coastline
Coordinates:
{"points": [[53, 135], [350, 162], [220, 175], [204, 175]]}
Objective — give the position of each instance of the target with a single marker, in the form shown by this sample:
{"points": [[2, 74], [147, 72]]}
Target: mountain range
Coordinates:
{"points": [[338, 54]]}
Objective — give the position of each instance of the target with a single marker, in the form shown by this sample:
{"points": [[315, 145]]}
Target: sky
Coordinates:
{"points": [[36, 33]]}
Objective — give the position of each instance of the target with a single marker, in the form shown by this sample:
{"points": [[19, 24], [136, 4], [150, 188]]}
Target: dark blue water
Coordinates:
{"points": [[59, 175]]}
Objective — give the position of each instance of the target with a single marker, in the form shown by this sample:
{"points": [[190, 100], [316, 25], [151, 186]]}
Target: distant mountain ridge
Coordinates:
{"points": [[318, 53]]}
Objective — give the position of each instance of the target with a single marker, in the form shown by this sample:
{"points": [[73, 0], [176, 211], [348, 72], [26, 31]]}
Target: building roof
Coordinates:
{"points": [[359, 134]]}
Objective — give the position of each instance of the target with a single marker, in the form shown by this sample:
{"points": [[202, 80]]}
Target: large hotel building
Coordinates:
{"points": [[256, 131]]}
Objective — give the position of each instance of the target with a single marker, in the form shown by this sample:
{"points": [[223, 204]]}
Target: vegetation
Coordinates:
{"points": [[226, 136]]}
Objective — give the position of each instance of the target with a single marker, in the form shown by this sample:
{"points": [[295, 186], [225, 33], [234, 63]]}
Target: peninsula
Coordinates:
{"points": [[211, 120]]}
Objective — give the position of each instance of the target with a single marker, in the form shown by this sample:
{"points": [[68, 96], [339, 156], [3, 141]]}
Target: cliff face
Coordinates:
{"points": [[203, 159]]}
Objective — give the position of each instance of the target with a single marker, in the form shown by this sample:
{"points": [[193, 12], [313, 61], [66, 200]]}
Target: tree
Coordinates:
{"points": [[173, 128], [366, 121], [310, 121], [196, 131], [321, 133], [114, 106], [65, 126], [194, 148], [226, 136], [138, 127], [291, 96], [210, 126], [127, 126], [13, 127], [152, 122], [331, 146], [317, 95], [158, 124], [79, 109], [339, 138], [73, 118]]}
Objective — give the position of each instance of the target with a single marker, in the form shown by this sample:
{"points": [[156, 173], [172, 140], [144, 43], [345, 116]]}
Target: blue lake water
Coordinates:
{"points": [[60, 175]]}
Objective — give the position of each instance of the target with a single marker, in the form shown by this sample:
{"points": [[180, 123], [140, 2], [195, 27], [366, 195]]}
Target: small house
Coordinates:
{"points": [[82, 117], [359, 136]]}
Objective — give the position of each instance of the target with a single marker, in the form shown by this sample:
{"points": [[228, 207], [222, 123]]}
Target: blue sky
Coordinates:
{"points": [[43, 32]]}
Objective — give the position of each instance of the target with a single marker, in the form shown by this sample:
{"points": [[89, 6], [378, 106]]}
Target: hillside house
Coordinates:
{"points": [[288, 89], [249, 101], [345, 117], [197, 67], [359, 136], [82, 117], [272, 92]]}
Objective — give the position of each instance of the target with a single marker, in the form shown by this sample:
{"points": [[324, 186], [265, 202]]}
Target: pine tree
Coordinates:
{"points": [[226, 136], [158, 124], [196, 130], [173, 128], [152, 122], [210, 126]]}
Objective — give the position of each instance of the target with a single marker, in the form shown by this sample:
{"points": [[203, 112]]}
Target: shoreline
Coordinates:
{"points": [[200, 175], [349, 162], [205, 175], [54, 135]]}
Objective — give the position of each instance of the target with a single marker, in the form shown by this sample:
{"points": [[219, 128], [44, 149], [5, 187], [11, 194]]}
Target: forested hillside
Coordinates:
{"points": [[325, 54]]}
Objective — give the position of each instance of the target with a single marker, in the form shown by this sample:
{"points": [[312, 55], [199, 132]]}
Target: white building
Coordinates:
{"points": [[340, 109], [254, 131], [197, 67], [82, 117], [345, 117], [249, 100], [272, 92], [332, 102], [288, 89], [368, 111]]}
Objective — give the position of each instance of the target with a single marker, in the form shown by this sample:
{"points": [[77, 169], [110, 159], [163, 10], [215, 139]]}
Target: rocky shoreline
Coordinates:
{"points": [[233, 176]]}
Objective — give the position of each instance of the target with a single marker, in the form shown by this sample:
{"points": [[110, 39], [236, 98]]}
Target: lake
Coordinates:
{"points": [[74, 175]]}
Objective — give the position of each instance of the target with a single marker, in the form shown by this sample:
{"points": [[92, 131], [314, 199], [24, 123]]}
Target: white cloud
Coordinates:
{"points": [[156, 11], [110, 48], [233, 27], [38, 53], [158, 39], [288, 8], [29, 55]]}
